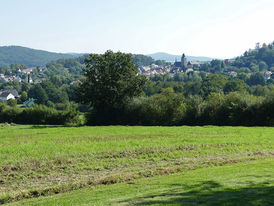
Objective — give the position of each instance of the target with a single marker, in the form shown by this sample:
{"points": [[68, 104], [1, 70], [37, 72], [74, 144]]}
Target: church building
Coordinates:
{"points": [[182, 65]]}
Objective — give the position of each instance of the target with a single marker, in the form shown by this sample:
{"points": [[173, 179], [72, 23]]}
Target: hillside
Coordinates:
{"points": [[34, 57], [27, 56], [258, 59], [171, 58]]}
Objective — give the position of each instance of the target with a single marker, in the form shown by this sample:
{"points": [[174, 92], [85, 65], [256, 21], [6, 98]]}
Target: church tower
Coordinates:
{"points": [[184, 62]]}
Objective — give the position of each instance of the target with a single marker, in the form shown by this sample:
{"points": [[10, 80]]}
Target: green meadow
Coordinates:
{"points": [[120, 165]]}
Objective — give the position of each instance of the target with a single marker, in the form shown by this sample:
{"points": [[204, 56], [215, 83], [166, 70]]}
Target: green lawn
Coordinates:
{"points": [[46, 160], [240, 184]]}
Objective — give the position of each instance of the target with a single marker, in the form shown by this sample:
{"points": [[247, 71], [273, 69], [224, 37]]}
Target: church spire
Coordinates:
{"points": [[184, 62]]}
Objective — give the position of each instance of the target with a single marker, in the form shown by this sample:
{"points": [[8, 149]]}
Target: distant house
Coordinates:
{"points": [[233, 74], [29, 103], [5, 96], [267, 75], [27, 71], [75, 82], [37, 81], [12, 91], [193, 64]]}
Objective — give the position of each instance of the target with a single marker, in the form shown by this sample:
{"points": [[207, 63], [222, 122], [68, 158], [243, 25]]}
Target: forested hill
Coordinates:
{"points": [[27, 56], [33, 58], [259, 59]]}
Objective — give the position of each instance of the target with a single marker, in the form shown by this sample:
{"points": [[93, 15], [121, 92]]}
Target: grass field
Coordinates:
{"points": [[143, 161], [240, 184]]}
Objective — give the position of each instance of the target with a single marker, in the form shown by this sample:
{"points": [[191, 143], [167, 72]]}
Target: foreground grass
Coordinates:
{"points": [[249, 183], [46, 160]]}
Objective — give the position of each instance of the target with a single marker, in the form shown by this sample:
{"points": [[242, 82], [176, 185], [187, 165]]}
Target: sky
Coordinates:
{"points": [[212, 28]]}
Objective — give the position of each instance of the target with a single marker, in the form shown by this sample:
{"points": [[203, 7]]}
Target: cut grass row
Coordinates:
{"points": [[44, 160], [250, 183]]}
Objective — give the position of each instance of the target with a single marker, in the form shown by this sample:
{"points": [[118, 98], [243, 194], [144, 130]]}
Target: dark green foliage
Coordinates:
{"points": [[72, 67], [169, 108], [166, 108], [44, 115], [235, 85], [152, 88], [256, 79], [39, 94], [39, 114], [47, 91], [57, 69], [71, 91], [260, 90], [55, 95], [192, 88], [142, 60], [259, 58], [216, 66], [9, 114], [111, 81], [24, 97], [12, 102], [213, 83]]}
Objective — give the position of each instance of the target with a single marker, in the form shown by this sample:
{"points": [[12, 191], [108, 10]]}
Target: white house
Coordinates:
{"points": [[5, 96], [267, 75], [233, 74]]}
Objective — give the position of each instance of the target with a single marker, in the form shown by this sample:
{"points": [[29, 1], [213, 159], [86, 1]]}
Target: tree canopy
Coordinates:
{"points": [[111, 79]]}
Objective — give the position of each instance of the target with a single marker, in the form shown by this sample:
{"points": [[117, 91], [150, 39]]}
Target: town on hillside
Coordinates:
{"points": [[185, 66]]}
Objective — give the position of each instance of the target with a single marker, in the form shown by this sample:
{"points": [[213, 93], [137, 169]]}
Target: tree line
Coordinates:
{"points": [[118, 95]]}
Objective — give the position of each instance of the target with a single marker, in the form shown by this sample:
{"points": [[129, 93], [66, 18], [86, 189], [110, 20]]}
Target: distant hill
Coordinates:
{"points": [[171, 58], [29, 57], [77, 54], [34, 57]]}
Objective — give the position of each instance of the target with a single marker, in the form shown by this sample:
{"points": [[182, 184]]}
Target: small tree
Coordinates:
{"points": [[24, 96], [38, 93], [12, 102]]}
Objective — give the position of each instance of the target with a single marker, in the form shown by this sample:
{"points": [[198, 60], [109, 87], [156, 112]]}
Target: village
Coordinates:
{"points": [[24, 75], [186, 67]]}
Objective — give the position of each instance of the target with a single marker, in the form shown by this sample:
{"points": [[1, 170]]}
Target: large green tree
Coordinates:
{"points": [[111, 80], [39, 94]]}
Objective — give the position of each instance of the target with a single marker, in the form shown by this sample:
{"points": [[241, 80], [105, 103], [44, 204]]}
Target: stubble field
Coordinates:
{"points": [[135, 165]]}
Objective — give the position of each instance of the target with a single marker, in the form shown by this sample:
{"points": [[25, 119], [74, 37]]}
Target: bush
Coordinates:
{"points": [[12, 102], [166, 108], [39, 114], [9, 114]]}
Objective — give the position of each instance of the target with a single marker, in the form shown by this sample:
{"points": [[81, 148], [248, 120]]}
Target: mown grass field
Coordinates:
{"points": [[170, 163], [250, 183]]}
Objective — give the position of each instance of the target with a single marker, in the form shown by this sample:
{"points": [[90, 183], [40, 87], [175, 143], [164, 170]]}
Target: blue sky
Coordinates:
{"points": [[215, 28]]}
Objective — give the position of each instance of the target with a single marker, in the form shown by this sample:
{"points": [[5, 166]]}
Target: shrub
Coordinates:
{"points": [[39, 114], [12, 102]]}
